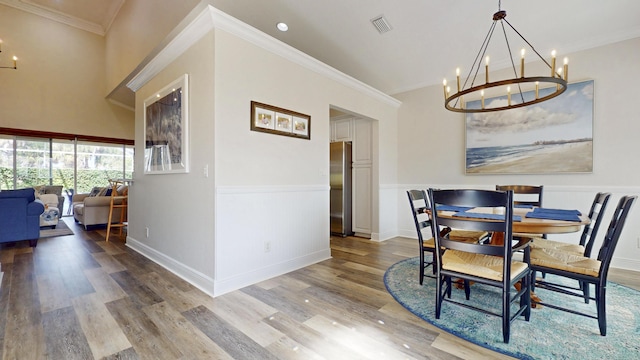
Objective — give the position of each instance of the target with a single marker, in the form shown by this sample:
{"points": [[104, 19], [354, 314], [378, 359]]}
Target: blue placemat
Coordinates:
{"points": [[452, 208], [553, 216], [473, 215], [557, 211]]}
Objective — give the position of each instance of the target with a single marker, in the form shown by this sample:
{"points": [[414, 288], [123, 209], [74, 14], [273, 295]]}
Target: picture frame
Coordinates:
{"points": [[166, 129], [275, 120], [551, 137]]}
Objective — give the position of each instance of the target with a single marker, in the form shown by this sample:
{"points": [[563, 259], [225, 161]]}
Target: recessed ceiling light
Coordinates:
{"points": [[282, 26]]}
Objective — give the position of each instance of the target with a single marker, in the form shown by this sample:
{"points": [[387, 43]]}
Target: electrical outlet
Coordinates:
{"points": [[146, 231], [267, 246]]}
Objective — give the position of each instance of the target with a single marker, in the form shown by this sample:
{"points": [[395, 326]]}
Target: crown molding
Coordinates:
{"points": [[58, 16], [210, 18]]}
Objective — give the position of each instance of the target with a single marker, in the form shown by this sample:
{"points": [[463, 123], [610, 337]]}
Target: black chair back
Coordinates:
{"points": [[473, 198], [613, 235], [418, 202], [596, 214], [532, 195]]}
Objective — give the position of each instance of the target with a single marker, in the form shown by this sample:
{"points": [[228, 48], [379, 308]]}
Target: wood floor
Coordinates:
{"points": [[79, 297]]}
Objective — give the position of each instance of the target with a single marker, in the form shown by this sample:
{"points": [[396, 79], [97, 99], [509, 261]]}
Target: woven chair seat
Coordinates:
{"points": [[486, 266], [459, 235], [562, 260], [540, 243]]}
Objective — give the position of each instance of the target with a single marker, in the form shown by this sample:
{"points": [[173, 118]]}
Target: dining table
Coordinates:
{"points": [[550, 221], [526, 223]]}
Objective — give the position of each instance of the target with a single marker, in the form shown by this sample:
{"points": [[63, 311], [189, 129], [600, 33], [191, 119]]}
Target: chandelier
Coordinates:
{"points": [[15, 60], [556, 81]]}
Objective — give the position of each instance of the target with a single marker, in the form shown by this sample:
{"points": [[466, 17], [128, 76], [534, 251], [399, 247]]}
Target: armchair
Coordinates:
{"points": [[94, 210], [56, 190], [20, 216]]}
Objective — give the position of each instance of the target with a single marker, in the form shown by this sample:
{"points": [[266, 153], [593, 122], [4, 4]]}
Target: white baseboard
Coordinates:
{"points": [[192, 276], [237, 282], [220, 287]]}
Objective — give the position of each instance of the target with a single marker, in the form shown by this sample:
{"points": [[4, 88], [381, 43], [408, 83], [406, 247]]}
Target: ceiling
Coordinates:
{"points": [[427, 41]]}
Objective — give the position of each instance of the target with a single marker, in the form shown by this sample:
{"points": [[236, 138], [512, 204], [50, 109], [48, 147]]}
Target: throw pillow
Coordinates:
{"points": [[39, 190], [95, 191], [103, 191]]}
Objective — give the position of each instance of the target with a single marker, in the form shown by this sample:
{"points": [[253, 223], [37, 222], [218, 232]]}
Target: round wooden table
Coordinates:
{"points": [[546, 226]]}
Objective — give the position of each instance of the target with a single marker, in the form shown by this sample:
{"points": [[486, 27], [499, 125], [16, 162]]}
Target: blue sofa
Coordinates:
{"points": [[20, 216]]}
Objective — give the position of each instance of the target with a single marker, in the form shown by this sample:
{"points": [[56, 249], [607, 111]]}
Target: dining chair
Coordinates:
{"points": [[481, 263], [584, 269], [419, 205], [524, 195], [587, 239], [418, 200]]}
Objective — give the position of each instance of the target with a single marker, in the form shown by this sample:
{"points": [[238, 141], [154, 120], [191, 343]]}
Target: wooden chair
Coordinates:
{"points": [[419, 205], [584, 269], [486, 264], [418, 200], [118, 201], [584, 246], [524, 195]]}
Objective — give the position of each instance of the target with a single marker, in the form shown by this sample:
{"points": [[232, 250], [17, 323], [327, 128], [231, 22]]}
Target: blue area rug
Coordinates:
{"points": [[550, 334]]}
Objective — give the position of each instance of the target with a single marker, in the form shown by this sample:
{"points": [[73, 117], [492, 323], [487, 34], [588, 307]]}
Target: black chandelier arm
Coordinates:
{"points": [[561, 84], [513, 65], [477, 62], [531, 46]]}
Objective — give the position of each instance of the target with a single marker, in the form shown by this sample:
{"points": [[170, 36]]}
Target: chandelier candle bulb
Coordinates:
{"points": [[553, 63], [486, 69], [448, 90], [509, 95], [458, 78], [537, 87], [15, 62], [566, 69], [482, 98], [522, 63], [444, 87]]}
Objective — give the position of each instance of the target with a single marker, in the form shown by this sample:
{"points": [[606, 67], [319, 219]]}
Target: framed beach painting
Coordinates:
{"points": [[551, 137], [166, 133]]}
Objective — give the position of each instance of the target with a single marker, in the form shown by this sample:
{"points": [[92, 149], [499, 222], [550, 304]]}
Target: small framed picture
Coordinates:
{"points": [[264, 118], [274, 120], [283, 122], [301, 126]]}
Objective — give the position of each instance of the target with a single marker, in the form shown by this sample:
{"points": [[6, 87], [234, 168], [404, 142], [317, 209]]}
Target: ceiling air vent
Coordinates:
{"points": [[381, 24]]}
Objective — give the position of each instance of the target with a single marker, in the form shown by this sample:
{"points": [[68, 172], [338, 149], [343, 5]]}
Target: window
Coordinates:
{"points": [[62, 159]]}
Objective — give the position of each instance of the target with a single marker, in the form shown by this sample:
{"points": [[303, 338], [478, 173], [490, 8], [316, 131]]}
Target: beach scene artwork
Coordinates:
{"points": [[554, 136]]}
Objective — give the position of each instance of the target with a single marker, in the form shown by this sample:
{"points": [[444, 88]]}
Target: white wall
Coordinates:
{"points": [[178, 208], [270, 210], [60, 81], [432, 142], [272, 191]]}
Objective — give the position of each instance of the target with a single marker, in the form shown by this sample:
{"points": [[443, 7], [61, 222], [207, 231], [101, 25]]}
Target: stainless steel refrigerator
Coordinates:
{"points": [[340, 181]]}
